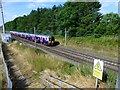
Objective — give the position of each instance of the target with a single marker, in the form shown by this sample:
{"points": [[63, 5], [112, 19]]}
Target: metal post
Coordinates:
{"points": [[96, 85], [60, 85], [2, 16], [35, 36], [118, 80], [65, 36]]}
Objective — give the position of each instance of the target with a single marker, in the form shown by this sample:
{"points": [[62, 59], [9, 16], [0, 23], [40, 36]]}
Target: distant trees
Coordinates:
{"points": [[109, 25], [79, 18]]}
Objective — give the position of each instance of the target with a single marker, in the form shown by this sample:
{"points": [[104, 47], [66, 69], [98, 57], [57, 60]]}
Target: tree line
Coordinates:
{"points": [[79, 19]]}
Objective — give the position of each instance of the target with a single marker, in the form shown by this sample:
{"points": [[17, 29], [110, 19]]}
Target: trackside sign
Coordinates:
{"points": [[98, 69]]}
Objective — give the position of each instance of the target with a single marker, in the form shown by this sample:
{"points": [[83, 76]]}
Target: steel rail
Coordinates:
{"points": [[61, 84], [110, 61], [77, 58]]}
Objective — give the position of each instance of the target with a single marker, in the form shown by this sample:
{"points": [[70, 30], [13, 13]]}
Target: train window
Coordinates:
{"points": [[49, 39], [52, 38]]}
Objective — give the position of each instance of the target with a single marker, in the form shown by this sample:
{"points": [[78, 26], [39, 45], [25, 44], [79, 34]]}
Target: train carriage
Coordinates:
{"points": [[44, 39]]}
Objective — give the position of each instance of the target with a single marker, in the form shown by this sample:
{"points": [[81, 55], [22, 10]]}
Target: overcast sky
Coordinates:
{"points": [[15, 8]]}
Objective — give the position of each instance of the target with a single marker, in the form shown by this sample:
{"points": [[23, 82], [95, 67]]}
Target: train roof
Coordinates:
{"points": [[39, 35], [42, 35]]}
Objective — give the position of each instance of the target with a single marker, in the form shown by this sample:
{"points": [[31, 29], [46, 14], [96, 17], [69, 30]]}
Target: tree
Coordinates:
{"points": [[79, 18], [109, 25], [84, 15]]}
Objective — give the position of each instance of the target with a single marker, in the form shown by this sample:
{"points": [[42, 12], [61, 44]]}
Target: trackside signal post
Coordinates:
{"points": [[35, 36], [65, 36], [98, 70]]}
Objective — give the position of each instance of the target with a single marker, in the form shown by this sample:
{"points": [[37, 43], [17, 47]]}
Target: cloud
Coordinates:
{"points": [[109, 0], [35, 4], [57, 0], [34, 0], [15, 16], [109, 3], [108, 7]]}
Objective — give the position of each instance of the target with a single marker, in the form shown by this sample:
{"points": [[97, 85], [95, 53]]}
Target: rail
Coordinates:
{"points": [[68, 54], [57, 83], [9, 82]]}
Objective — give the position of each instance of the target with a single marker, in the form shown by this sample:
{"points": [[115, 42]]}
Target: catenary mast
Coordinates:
{"points": [[2, 16]]}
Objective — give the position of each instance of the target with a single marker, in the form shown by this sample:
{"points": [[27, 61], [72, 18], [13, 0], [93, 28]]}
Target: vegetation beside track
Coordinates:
{"points": [[34, 61], [106, 46], [3, 80]]}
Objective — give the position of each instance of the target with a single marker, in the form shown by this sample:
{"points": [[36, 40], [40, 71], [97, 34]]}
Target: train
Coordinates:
{"points": [[44, 39]]}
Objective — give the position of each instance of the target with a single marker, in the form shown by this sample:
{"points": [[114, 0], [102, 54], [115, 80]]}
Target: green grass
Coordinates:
{"points": [[111, 79], [104, 46], [105, 41], [3, 80], [0, 79], [41, 61]]}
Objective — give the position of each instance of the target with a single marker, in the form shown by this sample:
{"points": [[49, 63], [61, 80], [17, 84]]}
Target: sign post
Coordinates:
{"points": [[96, 83], [98, 70]]}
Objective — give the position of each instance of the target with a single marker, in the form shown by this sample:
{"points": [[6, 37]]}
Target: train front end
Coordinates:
{"points": [[51, 40]]}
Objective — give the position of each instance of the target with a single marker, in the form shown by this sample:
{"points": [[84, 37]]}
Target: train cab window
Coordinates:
{"points": [[51, 38]]}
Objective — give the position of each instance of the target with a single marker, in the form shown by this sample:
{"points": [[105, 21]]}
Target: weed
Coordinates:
{"points": [[39, 61], [68, 68], [111, 78], [101, 46]]}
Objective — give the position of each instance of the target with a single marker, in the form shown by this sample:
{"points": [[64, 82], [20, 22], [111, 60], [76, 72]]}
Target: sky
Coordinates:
{"points": [[16, 8]]}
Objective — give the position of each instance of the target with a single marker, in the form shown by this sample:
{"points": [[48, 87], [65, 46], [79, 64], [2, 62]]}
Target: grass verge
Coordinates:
{"points": [[32, 61], [3, 79], [103, 46]]}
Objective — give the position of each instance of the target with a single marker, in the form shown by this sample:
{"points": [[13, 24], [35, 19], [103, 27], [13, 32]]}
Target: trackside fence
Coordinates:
{"points": [[9, 82]]}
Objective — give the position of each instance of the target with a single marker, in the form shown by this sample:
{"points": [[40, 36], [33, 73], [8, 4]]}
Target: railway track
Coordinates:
{"points": [[72, 54], [56, 82], [89, 56]]}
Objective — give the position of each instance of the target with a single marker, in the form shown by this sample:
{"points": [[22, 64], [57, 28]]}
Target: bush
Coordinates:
{"points": [[97, 35], [80, 32], [72, 32], [68, 68]]}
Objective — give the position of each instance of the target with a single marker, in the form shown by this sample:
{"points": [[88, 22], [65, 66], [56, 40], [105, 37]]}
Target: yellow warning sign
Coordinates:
{"points": [[98, 69]]}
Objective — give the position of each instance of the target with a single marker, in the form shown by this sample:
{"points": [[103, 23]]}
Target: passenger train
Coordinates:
{"points": [[44, 39]]}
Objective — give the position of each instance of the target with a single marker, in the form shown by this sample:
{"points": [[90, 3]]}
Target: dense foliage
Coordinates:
{"points": [[79, 19]]}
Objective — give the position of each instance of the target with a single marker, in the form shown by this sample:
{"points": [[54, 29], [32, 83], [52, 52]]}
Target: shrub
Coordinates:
{"points": [[97, 35]]}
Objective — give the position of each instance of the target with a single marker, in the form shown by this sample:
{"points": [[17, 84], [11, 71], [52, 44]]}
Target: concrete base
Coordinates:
{"points": [[6, 38]]}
